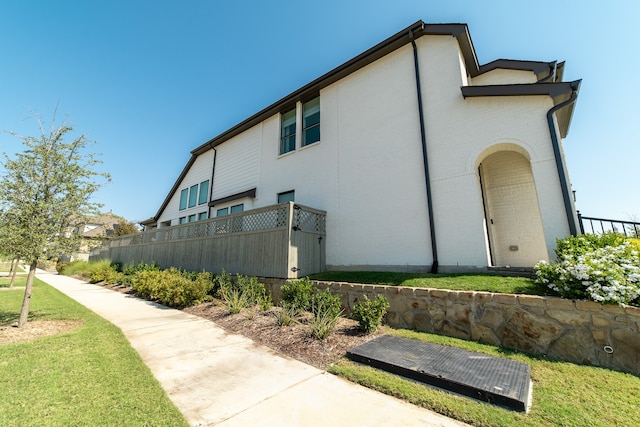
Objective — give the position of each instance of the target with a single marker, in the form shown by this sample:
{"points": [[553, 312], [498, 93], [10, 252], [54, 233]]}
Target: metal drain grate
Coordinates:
{"points": [[490, 379]]}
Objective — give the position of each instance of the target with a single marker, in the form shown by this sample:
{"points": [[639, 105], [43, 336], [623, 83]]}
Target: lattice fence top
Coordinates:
{"points": [[274, 217], [309, 221]]}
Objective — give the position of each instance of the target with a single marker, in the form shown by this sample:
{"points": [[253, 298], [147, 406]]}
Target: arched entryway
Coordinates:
{"points": [[512, 214]]}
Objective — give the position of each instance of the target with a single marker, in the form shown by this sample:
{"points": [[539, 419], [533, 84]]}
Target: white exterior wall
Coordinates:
{"points": [[500, 76], [237, 164], [200, 171], [459, 133], [367, 171]]}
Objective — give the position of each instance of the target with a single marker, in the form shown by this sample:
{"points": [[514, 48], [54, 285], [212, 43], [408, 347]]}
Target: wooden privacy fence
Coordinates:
{"points": [[285, 241]]}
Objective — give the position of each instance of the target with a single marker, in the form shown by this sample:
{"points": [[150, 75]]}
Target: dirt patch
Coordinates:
{"points": [[293, 341], [35, 329]]}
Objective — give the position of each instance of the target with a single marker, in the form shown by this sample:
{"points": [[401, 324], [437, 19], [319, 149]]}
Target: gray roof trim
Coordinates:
{"points": [[241, 195]]}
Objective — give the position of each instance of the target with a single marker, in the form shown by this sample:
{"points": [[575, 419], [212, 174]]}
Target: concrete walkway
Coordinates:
{"points": [[222, 379]]}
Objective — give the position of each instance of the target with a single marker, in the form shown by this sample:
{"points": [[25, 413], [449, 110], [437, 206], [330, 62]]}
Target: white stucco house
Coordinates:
{"points": [[423, 159]]}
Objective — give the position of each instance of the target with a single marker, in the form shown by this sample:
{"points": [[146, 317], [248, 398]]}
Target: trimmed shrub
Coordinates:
{"points": [[171, 287], [369, 313], [297, 294], [107, 274]]}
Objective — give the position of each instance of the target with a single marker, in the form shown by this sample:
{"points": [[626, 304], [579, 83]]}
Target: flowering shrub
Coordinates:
{"points": [[606, 274]]}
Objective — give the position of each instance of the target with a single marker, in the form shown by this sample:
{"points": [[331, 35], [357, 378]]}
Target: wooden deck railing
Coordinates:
{"points": [[285, 241]]}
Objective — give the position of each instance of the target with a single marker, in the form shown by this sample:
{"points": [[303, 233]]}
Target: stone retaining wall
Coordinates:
{"points": [[578, 331]]}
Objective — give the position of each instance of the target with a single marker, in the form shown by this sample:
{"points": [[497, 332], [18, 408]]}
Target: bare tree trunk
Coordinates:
{"points": [[13, 271], [24, 313]]}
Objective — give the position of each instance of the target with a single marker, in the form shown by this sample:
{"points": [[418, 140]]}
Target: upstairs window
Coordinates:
{"points": [[288, 132], [193, 195], [184, 194], [203, 197], [311, 121]]}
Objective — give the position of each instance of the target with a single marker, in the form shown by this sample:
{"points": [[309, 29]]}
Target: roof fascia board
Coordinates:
{"points": [[553, 90], [249, 193]]}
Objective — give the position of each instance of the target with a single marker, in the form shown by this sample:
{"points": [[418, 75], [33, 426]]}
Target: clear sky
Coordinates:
{"points": [[152, 80]]}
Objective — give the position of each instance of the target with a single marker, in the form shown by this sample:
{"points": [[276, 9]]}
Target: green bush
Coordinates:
{"points": [[61, 265], [297, 294], [245, 292], [106, 273], [171, 287], [326, 301], [369, 313]]}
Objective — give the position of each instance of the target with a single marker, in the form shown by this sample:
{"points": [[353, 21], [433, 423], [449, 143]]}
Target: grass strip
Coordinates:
{"points": [[458, 282], [564, 393], [87, 376]]}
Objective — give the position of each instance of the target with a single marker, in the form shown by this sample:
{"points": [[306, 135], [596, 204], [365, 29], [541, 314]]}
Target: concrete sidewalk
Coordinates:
{"points": [[223, 379]]}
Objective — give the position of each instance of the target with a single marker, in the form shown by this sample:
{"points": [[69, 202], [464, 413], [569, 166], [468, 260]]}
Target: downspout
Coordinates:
{"points": [[562, 173], [423, 137], [213, 171]]}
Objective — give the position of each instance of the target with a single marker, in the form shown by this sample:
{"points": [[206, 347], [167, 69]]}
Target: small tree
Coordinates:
{"points": [[125, 227], [43, 191]]}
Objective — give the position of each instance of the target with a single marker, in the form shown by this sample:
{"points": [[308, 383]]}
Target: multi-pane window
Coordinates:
{"points": [[234, 209], [288, 132], [184, 194], [195, 195], [202, 216], [203, 197], [311, 121], [287, 196]]}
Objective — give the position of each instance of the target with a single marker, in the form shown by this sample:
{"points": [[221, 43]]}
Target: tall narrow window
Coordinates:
{"points": [[184, 194], [288, 132], [204, 192], [193, 195], [311, 121]]}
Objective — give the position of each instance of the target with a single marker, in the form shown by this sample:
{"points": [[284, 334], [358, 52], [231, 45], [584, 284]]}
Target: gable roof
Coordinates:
{"points": [[543, 70]]}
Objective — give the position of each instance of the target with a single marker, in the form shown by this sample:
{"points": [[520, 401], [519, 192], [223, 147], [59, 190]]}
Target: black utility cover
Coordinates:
{"points": [[491, 379]]}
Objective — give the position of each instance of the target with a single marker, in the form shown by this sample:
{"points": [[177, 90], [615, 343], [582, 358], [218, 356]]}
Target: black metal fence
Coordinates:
{"points": [[603, 225]]}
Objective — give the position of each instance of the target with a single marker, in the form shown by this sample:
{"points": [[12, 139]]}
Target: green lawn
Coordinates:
{"points": [[460, 282], [564, 394], [86, 377]]}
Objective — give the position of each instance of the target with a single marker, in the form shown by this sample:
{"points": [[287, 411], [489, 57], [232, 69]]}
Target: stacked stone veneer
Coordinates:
{"points": [[578, 331]]}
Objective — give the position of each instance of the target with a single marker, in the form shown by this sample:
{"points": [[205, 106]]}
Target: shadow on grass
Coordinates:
{"points": [[9, 317]]}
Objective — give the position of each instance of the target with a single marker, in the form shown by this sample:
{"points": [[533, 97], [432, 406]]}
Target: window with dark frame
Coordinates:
{"points": [[184, 195], [288, 132], [287, 196], [311, 121], [203, 197], [193, 195]]}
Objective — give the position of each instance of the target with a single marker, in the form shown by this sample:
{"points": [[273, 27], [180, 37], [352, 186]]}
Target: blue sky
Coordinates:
{"points": [[152, 80]]}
